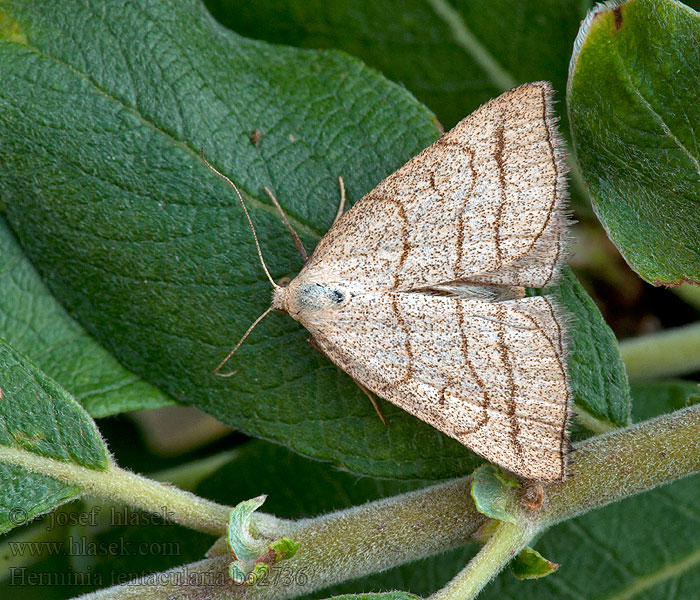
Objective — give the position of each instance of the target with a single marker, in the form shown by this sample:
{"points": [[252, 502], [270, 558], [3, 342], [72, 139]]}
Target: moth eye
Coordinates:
{"points": [[337, 296]]}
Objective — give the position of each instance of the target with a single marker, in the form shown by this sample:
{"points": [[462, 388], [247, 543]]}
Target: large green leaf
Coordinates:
{"points": [[151, 252], [634, 110], [598, 379], [33, 321], [38, 419], [453, 56]]}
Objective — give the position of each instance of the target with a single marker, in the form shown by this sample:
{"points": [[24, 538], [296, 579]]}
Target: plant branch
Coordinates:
{"points": [[625, 462], [507, 540], [367, 539], [128, 488], [333, 548], [664, 354]]}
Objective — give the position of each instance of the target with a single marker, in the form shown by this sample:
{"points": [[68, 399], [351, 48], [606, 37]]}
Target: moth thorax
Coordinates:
{"points": [[306, 299]]}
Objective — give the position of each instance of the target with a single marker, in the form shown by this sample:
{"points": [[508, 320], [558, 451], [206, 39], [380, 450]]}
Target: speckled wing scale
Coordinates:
{"points": [[418, 290]]}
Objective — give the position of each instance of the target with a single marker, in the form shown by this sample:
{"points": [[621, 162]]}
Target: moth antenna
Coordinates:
{"points": [[250, 222], [295, 237], [238, 345]]}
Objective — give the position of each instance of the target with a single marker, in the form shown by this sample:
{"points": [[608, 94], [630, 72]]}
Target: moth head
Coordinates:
{"points": [[303, 301]]}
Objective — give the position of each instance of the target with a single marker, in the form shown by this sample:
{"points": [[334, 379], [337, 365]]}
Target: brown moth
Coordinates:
{"points": [[418, 291]]}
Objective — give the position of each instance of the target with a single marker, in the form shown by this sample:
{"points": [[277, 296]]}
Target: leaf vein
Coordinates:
{"points": [[665, 128]]}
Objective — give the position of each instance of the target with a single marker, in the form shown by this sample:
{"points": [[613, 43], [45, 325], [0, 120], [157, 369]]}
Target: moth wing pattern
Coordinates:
{"points": [[416, 291], [484, 203], [491, 375]]}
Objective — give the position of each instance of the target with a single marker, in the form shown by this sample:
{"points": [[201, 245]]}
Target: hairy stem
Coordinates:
{"points": [[379, 535], [335, 547], [128, 488], [185, 476], [507, 540], [664, 354], [613, 466]]}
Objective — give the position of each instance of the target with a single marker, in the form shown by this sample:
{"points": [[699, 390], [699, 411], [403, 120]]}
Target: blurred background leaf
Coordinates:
{"points": [[453, 56], [635, 116]]}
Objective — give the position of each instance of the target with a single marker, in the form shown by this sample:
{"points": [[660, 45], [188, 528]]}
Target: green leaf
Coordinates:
{"points": [[597, 375], [494, 494], [241, 542], [106, 189], [25, 495], [35, 324], [38, 419], [151, 252], [283, 549], [253, 556], [530, 564], [452, 56], [635, 113]]}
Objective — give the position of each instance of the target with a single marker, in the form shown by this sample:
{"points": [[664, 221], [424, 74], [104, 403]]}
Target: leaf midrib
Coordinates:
{"points": [[656, 116], [251, 200]]}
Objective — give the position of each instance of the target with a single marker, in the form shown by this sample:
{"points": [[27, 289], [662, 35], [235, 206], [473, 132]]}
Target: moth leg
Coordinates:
{"points": [[295, 237], [372, 399], [341, 206]]}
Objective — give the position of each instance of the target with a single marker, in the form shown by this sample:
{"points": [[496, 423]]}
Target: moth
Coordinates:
{"points": [[418, 291]]}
